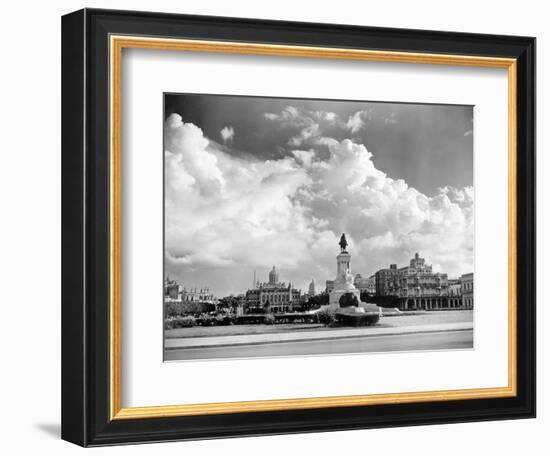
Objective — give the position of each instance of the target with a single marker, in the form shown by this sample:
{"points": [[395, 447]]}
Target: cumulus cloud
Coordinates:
{"points": [[289, 114], [227, 134], [357, 120], [311, 131], [233, 214], [324, 115], [303, 122], [221, 210]]}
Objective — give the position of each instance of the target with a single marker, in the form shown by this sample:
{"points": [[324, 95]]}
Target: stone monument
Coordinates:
{"points": [[344, 279], [344, 299]]}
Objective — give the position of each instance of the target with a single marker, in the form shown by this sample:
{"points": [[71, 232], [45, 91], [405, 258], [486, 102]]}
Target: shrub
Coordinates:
{"points": [[180, 322], [372, 319], [173, 309], [188, 321], [249, 319], [358, 320], [317, 301], [178, 308], [224, 320], [206, 320], [326, 317]]}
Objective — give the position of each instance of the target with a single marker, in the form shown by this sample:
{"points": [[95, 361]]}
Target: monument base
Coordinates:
{"points": [[335, 295]]}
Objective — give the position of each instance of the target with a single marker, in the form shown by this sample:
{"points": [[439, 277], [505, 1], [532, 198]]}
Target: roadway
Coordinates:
{"points": [[445, 340]]}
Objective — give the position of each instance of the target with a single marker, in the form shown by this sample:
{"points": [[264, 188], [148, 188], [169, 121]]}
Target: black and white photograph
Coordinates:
{"points": [[274, 228], [314, 227]]}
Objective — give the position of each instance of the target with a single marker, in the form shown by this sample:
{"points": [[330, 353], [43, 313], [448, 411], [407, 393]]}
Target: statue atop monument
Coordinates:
{"points": [[344, 297], [343, 283], [343, 243]]}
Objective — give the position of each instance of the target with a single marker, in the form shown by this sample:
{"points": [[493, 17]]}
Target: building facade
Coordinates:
{"points": [[311, 289], [418, 287], [365, 284], [171, 289], [175, 292], [273, 296], [467, 287], [454, 292], [387, 281]]}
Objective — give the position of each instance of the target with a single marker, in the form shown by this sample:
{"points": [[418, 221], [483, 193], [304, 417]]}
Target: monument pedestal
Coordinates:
{"points": [[350, 315], [344, 281], [335, 295]]}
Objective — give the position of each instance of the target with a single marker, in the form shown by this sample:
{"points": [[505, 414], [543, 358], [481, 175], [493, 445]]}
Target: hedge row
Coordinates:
{"points": [[325, 317], [332, 319], [188, 321], [181, 309], [368, 319]]}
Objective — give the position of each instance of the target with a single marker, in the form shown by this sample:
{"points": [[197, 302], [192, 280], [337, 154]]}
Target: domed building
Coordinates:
{"points": [[275, 295]]}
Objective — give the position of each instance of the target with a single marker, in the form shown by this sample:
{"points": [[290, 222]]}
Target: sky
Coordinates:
{"points": [[252, 182]]}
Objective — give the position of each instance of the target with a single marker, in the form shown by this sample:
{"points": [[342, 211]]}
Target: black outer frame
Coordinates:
{"points": [[85, 227]]}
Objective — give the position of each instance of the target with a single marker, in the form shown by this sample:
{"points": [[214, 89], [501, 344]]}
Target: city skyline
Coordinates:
{"points": [[256, 182], [263, 278]]}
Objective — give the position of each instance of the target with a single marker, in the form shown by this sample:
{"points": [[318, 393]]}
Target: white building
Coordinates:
{"points": [[275, 295]]}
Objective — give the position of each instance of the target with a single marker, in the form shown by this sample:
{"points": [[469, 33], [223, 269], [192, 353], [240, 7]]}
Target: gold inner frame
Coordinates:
{"points": [[117, 44]]}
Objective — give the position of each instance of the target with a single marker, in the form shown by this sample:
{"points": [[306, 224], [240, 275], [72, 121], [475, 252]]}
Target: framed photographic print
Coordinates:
{"points": [[276, 227]]}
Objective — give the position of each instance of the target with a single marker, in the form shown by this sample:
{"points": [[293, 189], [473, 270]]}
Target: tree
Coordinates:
{"points": [[327, 317], [383, 301], [366, 296], [230, 303], [317, 301]]}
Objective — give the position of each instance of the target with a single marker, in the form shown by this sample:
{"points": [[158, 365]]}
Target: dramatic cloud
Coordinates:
{"points": [[306, 133], [224, 211], [357, 121], [324, 115], [227, 216], [305, 122], [227, 134], [289, 114]]}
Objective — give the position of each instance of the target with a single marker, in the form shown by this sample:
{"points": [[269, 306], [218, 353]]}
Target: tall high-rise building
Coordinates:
{"points": [[273, 276], [311, 290]]}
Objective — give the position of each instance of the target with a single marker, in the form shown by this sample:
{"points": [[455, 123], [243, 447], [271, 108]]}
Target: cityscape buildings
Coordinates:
{"points": [[175, 292], [467, 289], [278, 296], [365, 284], [412, 287], [417, 287]]}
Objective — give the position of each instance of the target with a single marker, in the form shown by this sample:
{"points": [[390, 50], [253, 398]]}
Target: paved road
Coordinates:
{"points": [[401, 342]]}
